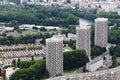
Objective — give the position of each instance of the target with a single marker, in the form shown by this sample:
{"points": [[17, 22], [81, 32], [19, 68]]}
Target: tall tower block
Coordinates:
{"points": [[83, 39], [101, 32], [54, 56]]}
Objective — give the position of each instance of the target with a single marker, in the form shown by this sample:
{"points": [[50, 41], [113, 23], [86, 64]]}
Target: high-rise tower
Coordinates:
{"points": [[54, 55], [101, 32], [83, 39]]}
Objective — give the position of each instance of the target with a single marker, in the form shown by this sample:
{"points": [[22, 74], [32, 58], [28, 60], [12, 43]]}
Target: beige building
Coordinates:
{"points": [[83, 39], [54, 55], [101, 32]]}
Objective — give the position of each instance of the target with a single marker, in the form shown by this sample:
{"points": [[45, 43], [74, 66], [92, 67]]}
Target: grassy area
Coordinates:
{"points": [[1, 78], [115, 63], [70, 71], [1, 53], [2, 24]]}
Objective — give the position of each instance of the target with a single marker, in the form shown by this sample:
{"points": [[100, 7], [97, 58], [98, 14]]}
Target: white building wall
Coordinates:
{"points": [[118, 11], [23, 1], [109, 6], [94, 64]]}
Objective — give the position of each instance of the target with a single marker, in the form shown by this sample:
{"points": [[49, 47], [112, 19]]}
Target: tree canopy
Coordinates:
{"points": [[8, 40], [34, 71], [40, 15], [75, 59], [115, 51], [114, 36]]}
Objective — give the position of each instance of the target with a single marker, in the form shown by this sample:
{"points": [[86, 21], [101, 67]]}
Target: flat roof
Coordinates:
{"points": [[55, 39], [83, 27], [101, 19]]}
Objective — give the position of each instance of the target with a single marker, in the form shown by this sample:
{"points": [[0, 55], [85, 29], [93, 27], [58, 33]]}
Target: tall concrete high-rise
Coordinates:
{"points": [[101, 32], [54, 55], [83, 39]]}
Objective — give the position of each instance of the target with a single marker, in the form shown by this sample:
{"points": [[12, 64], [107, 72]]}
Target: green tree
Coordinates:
{"points": [[26, 64], [23, 74], [114, 36], [114, 51], [18, 62], [35, 71], [97, 50], [75, 59], [14, 24], [13, 63], [72, 44], [43, 29]]}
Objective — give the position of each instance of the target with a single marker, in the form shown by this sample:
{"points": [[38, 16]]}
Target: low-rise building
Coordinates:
{"points": [[9, 71], [26, 26], [3, 29], [71, 36], [94, 64], [4, 2]]}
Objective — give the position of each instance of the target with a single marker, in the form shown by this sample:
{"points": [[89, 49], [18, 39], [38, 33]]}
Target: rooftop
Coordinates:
{"points": [[83, 27], [101, 19], [55, 38], [95, 60]]}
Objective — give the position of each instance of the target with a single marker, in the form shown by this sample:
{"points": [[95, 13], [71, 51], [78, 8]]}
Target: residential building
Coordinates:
{"points": [[83, 39], [101, 32], [71, 36], [54, 55], [94, 64]]}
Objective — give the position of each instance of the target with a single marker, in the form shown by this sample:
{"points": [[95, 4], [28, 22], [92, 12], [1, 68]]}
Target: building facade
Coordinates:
{"points": [[83, 39], [54, 56], [71, 36], [95, 64], [101, 32]]}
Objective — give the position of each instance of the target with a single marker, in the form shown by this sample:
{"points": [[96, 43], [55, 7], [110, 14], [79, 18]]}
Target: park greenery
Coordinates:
{"points": [[8, 40], [30, 70], [1, 78], [51, 16], [114, 36], [36, 70], [95, 50], [70, 29], [114, 51], [75, 59], [113, 17], [71, 44], [39, 15], [32, 47]]}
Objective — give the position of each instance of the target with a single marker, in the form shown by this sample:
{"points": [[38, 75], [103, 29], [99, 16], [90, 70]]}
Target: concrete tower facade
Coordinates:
{"points": [[83, 39], [54, 56], [101, 32]]}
